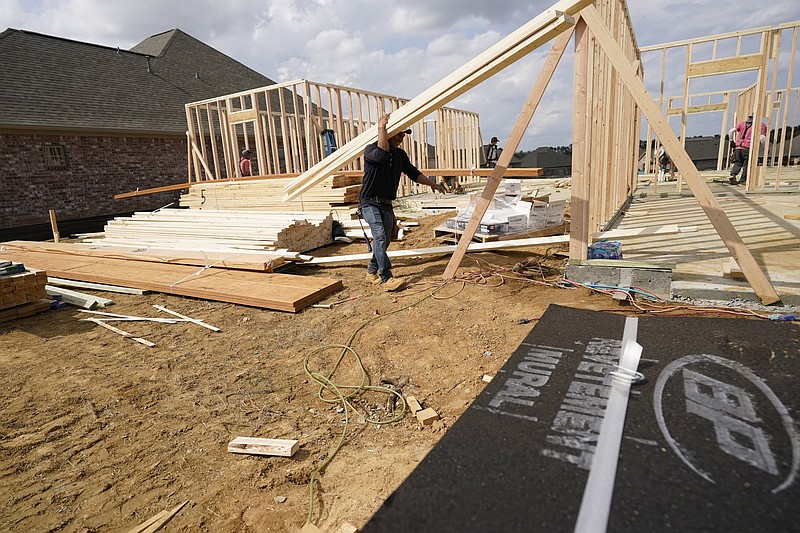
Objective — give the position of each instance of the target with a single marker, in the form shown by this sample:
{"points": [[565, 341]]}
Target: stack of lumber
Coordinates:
{"points": [[282, 292], [187, 254], [266, 195], [23, 294], [297, 232]]}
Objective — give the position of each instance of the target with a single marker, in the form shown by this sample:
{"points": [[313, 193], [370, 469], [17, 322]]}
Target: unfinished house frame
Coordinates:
{"points": [[763, 62], [292, 126], [609, 98]]}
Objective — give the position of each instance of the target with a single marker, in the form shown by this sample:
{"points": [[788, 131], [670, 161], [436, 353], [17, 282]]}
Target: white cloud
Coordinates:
{"points": [[394, 48]]}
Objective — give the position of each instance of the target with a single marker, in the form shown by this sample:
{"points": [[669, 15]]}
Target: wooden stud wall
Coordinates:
{"points": [[282, 125], [605, 126], [770, 97]]}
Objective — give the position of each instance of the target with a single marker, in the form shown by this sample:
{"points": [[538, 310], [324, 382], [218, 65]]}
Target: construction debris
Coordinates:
{"points": [[257, 446]]}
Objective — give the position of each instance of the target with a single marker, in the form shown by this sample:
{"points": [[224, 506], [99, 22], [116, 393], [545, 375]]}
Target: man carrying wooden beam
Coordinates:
{"points": [[384, 161]]}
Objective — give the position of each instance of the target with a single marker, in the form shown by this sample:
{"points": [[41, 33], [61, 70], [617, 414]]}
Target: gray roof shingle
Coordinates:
{"points": [[51, 83]]}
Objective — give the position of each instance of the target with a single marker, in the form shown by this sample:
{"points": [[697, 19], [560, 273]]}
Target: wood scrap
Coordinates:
{"points": [[259, 446], [131, 318], [731, 270], [668, 229], [96, 286], [310, 528], [140, 340], [413, 405], [186, 318], [158, 521], [346, 527], [87, 301], [427, 416]]}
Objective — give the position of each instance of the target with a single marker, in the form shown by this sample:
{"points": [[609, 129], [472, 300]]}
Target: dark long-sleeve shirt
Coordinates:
{"points": [[382, 171]]}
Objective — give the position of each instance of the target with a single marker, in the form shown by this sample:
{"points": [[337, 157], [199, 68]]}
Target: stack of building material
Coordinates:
{"points": [[282, 292], [23, 294], [207, 229], [187, 254], [266, 195]]}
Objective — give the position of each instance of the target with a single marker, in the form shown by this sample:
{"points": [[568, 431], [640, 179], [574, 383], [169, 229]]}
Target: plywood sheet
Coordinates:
{"points": [[281, 292]]}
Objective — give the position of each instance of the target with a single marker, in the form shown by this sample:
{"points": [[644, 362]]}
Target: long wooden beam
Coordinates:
{"points": [[716, 215], [528, 109], [515, 46], [517, 172]]}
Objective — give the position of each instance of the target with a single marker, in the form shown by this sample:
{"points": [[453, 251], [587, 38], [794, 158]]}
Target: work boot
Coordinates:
{"points": [[732, 180], [373, 278], [392, 284]]}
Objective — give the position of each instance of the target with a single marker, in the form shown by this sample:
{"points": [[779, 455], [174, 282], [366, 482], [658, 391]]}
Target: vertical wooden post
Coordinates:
{"points": [[579, 203], [54, 225]]}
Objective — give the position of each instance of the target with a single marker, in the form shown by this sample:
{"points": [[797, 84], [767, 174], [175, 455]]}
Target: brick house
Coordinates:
{"points": [[81, 122]]}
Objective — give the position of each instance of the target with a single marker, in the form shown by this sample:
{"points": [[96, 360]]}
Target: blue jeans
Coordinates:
{"points": [[742, 158], [380, 218]]}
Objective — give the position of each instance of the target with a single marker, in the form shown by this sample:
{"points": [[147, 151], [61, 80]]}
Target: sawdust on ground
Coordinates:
{"points": [[100, 433]]}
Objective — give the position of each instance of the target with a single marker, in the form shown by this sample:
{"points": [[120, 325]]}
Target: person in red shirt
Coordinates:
{"points": [[744, 134], [244, 163]]}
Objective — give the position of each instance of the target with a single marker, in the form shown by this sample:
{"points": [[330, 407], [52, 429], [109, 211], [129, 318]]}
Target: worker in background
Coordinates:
{"points": [[743, 133], [244, 163], [384, 161], [492, 153], [664, 163]]}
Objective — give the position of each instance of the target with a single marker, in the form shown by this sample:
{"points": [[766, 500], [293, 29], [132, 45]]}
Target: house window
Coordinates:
{"points": [[54, 156]]}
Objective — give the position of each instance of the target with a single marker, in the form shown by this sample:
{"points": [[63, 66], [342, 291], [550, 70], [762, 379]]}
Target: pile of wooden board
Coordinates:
{"points": [[266, 195], [23, 293], [282, 292], [203, 229], [176, 254]]}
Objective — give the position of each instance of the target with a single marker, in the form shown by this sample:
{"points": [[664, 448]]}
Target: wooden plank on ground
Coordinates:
{"points": [[258, 446], [282, 292], [158, 521], [262, 261], [473, 247], [668, 229], [94, 286]]}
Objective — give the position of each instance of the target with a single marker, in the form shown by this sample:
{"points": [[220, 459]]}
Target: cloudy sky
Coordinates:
{"points": [[397, 48]]}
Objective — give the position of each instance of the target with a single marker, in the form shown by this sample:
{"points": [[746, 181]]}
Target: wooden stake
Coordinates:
{"points": [[54, 225]]}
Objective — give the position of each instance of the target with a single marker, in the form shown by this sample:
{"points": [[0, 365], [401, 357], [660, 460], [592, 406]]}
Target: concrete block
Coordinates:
{"points": [[655, 281]]}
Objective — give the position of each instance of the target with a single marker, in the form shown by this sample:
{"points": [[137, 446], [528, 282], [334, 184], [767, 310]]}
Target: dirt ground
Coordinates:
{"points": [[100, 433]]}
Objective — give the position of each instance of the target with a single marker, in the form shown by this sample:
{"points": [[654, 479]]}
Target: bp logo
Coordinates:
{"points": [[726, 424]]}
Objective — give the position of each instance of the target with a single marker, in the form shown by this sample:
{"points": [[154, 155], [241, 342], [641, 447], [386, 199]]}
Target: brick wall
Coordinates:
{"points": [[94, 170]]}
